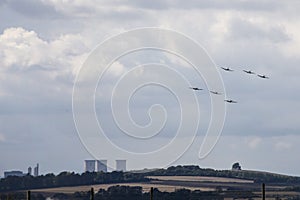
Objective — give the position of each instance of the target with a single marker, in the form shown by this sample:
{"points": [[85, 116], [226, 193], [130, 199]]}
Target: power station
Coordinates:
{"points": [[89, 165], [20, 173], [36, 170], [101, 165], [121, 165]]}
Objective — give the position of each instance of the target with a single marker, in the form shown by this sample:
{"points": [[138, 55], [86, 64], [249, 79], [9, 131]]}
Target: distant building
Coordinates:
{"points": [[36, 170], [90, 165], [13, 173], [29, 172], [101, 165], [121, 165]]}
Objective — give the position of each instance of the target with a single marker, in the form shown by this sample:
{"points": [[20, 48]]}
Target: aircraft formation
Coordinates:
{"points": [[246, 71], [262, 76]]}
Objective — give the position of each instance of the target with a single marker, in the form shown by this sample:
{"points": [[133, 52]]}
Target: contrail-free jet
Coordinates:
{"points": [[227, 69], [214, 92], [249, 71], [262, 76], [195, 88], [230, 101]]}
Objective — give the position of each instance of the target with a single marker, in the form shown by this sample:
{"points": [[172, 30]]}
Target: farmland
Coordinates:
{"points": [[191, 182], [229, 186]]}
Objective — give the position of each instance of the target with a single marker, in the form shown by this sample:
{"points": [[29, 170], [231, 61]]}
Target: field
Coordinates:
{"points": [[146, 188], [200, 179], [172, 183], [163, 183]]}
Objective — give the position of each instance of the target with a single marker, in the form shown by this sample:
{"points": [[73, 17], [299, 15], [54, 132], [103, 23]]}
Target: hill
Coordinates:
{"points": [[256, 176], [175, 181], [66, 179]]}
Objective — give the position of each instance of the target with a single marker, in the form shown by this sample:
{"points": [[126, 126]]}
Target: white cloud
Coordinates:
{"points": [[20, 47], [258, 29], [37, 74], [116, 69], [284, 143], [292, 48], [254, 142], [281, 145], [24, 49]]}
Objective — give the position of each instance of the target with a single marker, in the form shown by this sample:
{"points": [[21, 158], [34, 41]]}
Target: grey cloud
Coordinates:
{"points": [[135, 8], [33, 9], [266, 5], [240, 29], [91, 9], [3, 2], [265, 108]]}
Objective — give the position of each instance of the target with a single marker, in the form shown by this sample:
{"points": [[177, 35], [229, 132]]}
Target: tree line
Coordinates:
{"points": [[126, 192], [28, 182]]}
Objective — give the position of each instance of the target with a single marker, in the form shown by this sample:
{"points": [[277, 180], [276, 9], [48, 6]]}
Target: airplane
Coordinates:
{"points": [[227, 69], [230, 101], [262, 76], [195, 88], [249, 72], [214, 92]]}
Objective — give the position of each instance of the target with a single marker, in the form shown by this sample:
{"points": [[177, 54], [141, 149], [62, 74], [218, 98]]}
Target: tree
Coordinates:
{"points": [[236, 166]]}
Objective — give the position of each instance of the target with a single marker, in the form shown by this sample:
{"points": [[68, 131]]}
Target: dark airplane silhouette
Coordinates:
{"points": [[230, 101], [249, 72], [262, 76], [195, 88], [227, 69], [214, 92]]}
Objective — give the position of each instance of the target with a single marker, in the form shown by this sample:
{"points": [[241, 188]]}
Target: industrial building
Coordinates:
{"points": [[90, 165], [121, 165], [29, 172], [101, 165], [13, 173], [36, 170], [20, 173]]}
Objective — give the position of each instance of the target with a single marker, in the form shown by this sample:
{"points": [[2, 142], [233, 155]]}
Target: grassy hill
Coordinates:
{"points": [[193, 181], [256, 176]]}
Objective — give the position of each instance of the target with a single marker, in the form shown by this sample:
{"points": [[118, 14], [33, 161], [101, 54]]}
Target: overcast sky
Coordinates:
{"points": [[43, 44]]}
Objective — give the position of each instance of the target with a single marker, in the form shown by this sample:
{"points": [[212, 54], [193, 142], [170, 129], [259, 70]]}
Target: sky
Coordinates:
{"points": [[43, 48]]}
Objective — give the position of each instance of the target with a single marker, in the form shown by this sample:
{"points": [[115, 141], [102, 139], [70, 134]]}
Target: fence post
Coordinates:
{"points": [[28, 195], [263, 192], [151, 193], [92, 194]]}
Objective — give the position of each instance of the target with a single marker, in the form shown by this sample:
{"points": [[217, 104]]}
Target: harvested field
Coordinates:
{"points": [[163, 183], [200, 179], [146, 188], [172, 183]]}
